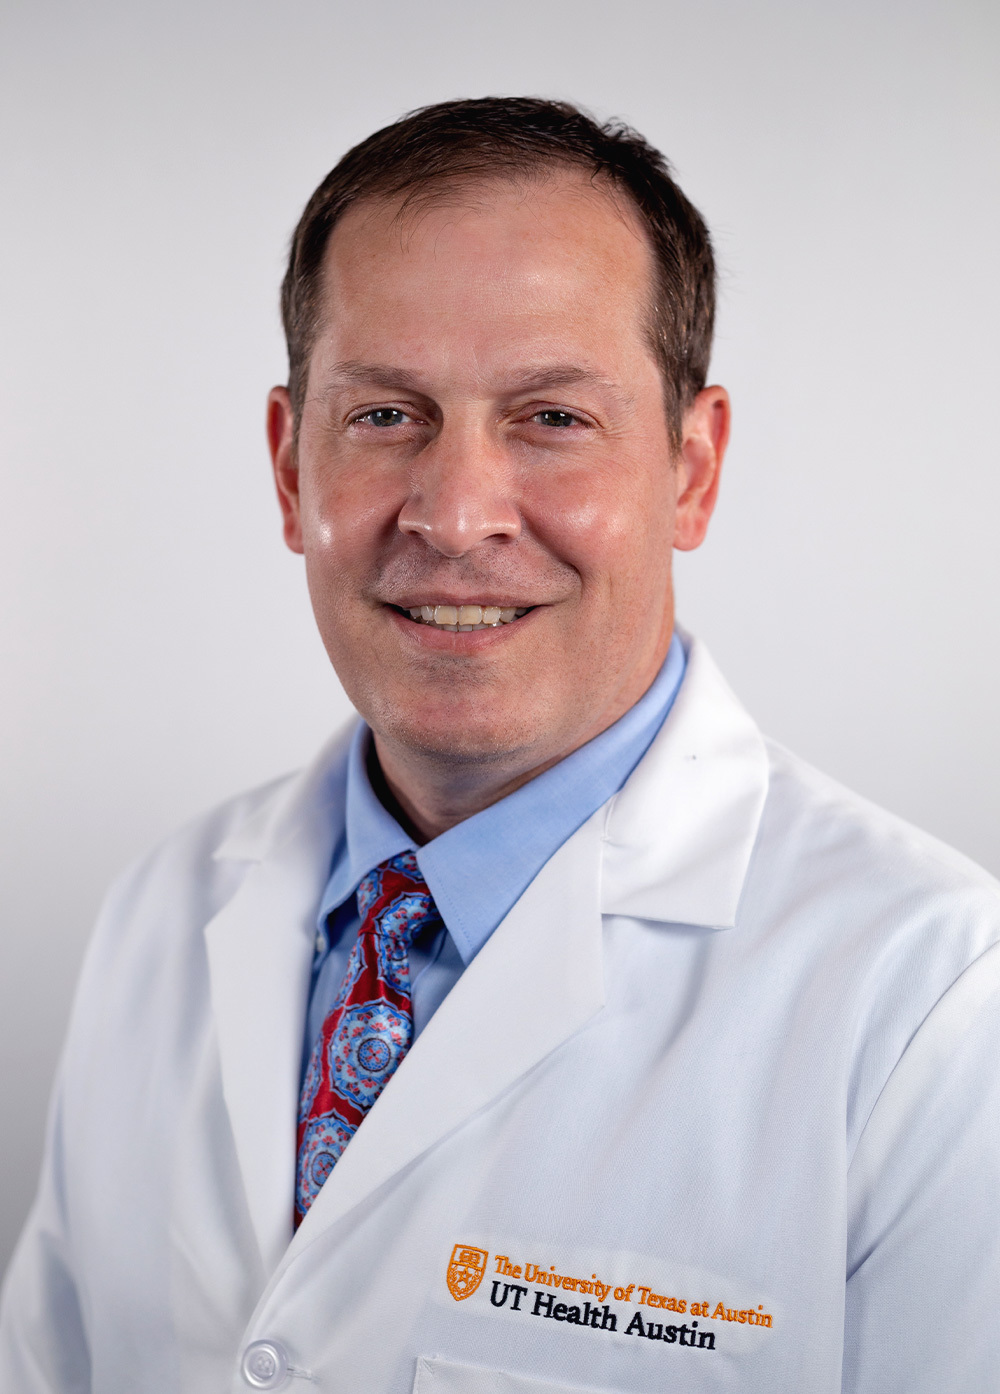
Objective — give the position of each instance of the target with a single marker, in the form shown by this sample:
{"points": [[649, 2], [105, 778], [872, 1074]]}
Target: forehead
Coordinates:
{"points": [[483, 268]]}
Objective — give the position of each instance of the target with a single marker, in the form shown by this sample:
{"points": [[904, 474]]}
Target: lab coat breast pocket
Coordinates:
{"points": [[436, 1376]]}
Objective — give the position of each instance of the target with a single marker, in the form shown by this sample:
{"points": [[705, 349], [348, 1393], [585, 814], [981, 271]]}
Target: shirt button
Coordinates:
{"points": [[265, 1365]]}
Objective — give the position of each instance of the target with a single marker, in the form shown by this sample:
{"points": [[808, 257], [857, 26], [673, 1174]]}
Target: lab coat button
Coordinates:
{"points": [[265, 1365]]}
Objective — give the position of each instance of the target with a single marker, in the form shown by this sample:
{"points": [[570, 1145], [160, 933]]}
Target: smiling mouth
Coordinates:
{"points": [[461, 619]]}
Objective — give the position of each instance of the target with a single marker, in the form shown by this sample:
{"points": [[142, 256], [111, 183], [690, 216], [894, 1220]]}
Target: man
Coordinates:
{"points": [[553, 1031]]}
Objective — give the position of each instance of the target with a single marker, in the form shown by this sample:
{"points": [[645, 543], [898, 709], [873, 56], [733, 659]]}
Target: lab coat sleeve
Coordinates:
{"points": [[43, 1344], [923, 1259]]}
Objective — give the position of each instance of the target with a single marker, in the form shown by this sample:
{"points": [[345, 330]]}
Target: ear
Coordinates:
{"points": [[281, 442], [705, 435]]}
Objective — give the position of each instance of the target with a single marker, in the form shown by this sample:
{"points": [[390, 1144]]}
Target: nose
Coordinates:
{"points": [[462, 493]]}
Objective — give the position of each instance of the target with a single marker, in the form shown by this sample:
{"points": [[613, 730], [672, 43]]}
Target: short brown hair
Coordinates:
{"points": [[503, 137]]}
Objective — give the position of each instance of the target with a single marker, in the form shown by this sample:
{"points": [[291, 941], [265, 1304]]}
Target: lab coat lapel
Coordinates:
{"points": [[260, 948], [541, 971]]}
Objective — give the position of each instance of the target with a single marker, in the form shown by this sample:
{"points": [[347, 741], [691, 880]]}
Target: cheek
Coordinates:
{"points": [[614, 526], [345, 513]]}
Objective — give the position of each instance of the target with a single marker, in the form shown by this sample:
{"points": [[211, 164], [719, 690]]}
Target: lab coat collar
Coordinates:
{"points": [[679, 834]]}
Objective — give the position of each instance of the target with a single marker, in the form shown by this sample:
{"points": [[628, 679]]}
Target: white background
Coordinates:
{"points": [[158, 651]]}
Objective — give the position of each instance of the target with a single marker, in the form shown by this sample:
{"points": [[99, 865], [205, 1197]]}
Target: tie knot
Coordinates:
{"points": [[394, 899]]}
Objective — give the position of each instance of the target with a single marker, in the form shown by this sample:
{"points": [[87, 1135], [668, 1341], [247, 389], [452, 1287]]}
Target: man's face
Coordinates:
{"points": [[484, 427]]}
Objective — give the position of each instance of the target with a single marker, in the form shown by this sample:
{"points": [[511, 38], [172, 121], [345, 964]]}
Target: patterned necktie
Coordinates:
{"points": [[369, 1028]]}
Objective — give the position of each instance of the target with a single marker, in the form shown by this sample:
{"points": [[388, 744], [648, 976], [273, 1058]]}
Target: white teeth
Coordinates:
{"points": [[463, 618]]}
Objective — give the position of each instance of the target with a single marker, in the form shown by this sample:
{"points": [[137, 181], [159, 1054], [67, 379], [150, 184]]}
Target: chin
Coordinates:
{"points": [[483, 747], [457, 736]]}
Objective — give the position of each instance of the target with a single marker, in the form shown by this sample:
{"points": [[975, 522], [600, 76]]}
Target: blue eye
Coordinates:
{"points": [[559, 419], [384, 416]]}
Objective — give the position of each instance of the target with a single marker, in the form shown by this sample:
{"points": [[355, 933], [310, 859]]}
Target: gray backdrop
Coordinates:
{"points": [[158, 650]]}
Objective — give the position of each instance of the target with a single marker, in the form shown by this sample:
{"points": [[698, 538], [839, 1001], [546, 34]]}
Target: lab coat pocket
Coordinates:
{"points": [[436, 1376]]}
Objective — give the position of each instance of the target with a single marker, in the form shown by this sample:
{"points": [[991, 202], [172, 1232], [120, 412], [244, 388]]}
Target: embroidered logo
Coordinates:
{"points": [[466, 1269]]}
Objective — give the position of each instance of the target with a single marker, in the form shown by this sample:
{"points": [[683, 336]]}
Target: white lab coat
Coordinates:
{"points": [[715, 1109]]}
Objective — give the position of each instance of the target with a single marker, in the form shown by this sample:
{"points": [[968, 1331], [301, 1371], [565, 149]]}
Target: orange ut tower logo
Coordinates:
{"points": [[465, 1270]]}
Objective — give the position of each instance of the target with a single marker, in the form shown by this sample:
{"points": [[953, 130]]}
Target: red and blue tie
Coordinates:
{"points": [[369, 1028]]}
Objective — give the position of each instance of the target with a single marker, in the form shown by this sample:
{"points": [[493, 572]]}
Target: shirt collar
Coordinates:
{"points": [[478, 869]]}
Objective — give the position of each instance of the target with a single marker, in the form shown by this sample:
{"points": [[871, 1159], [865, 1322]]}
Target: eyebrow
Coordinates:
{"points": [[533, 379], [378, 374]]}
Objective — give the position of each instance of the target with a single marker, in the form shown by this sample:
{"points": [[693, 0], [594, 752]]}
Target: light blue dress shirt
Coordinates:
{"points": [[480, 867]]}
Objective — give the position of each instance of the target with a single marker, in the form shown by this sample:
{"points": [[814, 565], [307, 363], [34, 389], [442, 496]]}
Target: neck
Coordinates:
{"points": [[427, 797]]}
